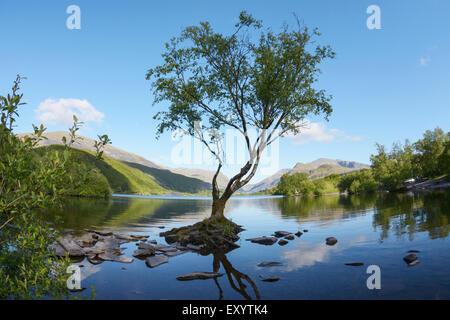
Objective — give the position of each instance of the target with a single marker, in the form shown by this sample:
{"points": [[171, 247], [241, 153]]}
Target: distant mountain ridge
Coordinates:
{"points": [[315, 169]]}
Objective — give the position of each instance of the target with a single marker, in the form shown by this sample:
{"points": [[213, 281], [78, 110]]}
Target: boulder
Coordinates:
{"points": [[299, 233], [154, 261], [289, 237], [331, 241], [268, 241], [199, 276], [283, 242]]}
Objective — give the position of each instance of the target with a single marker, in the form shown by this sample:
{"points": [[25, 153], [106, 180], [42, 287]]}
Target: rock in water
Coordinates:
{"points": [[71, 247], [114, 257], [355, 264], [269, 279], [268, 241], [413, 251], [155, 261], [143, 253], [280, 234], [57, 249], [410, 258], [283, 242], [331, 241], [298, 234], [289, 237], [103, 233], [199, 276], [269, 264], [86, 240]]}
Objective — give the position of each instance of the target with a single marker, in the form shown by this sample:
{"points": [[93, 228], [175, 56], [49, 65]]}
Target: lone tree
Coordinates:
{"points": [[213, 81]]}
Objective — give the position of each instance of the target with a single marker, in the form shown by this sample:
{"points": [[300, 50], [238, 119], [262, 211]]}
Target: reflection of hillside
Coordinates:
{"points": [[141, 210], [77, 213], [407, 214], [84, 213], [325, 208]]}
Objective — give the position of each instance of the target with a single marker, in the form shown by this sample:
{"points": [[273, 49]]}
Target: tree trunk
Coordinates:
{"points": [[218, 208]]}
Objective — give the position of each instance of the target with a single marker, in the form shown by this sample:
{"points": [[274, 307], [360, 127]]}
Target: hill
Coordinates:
{"points": [[121, 177], [54, 138], [173, 181], [202, 174], [316, 169]]}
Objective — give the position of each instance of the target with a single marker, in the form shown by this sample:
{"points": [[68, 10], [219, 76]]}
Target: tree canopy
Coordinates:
{"points": [[252, 78]]}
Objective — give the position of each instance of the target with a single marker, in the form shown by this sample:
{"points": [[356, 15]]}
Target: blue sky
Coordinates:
{"points": [[388, 84]]}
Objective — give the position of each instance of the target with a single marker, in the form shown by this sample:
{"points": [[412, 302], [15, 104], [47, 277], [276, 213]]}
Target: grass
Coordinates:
{"points": [[120, 177]]}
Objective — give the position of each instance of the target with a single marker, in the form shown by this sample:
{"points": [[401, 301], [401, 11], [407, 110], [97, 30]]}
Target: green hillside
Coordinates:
{"points": [[121, 177], [173, 181]]}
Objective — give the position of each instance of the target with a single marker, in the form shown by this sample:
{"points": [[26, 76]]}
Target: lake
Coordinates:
{"points": [[377, 229]]}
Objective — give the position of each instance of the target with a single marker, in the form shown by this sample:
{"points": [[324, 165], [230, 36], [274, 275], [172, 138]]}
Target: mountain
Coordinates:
{"points": [[316, 169], [202, 174], [173, 181], [54, 138], [179, 180], [343, 163]]}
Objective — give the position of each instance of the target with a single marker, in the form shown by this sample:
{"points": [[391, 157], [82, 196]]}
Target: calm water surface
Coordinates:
{"points": [[373, 229]]}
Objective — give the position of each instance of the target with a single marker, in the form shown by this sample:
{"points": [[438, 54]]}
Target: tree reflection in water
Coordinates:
{"points": [[235, 278]]}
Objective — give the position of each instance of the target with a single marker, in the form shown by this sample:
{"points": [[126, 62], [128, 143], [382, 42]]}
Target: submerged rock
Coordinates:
{"points": [[268, 241], [280, 234], [269, 279], [93, 259], [331, 241], [289, 237], [410, 258], [270, 264], [199, 276], [174, 253], [283, 242], [154, 261]]}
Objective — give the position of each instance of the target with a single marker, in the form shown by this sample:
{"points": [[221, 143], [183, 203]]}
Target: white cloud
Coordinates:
{"points": [[424, 61], [318, 132], [61, 111]]}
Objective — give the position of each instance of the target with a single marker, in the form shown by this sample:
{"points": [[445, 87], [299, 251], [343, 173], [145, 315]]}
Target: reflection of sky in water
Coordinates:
{"points": [[373, 229]]}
